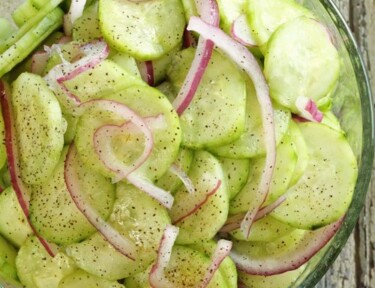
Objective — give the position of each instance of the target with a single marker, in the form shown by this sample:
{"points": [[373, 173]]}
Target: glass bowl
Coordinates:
{"points": [[353, 105]]}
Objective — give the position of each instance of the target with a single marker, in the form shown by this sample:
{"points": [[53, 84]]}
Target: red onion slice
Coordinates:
{"points": [[221, 252], [75, 11], [311, 243], [156, 276], [146, 69], [199, 205], [22, 193], [119, 242], [176, 170], [240, 31], [308, 109], [189, 40], [245, 60], [210, 13]]}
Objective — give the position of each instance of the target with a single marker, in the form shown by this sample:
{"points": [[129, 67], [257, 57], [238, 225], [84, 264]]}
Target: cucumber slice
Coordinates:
{"points": [[283, 280], [71, 128], [137, 216], [266, 229], [167, 89], [236, 171], [39, 126], [146, 102], [284, 168], [86, 28], [230, 10], [301, 61], [24, 12], [216, 116], [13, 224], [6, 29], [251, 142], [16, 52], [79, 279], [324, 192], [267, 15], [189, 8], [206, 221], [53, 212], [126, 62], [145, 30], [7, 260], [169, 181], [186, 268], [37, 269]]}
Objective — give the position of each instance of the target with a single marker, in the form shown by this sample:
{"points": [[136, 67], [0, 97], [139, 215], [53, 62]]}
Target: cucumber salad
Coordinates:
{"points": [[168, 143]]}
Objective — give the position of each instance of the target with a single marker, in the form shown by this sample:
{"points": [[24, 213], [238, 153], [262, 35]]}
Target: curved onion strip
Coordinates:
{"points": [[199, 205], [308, 109], [311, 243], [234, 222], [176, 170], [245, 60], [189, 40], [147, 72], [160, 195], [75, 11], [221, 252], [22, 193], [156, 276], [119, 242], [95, 52], [100, 141], [210, 13], [240, 31]]}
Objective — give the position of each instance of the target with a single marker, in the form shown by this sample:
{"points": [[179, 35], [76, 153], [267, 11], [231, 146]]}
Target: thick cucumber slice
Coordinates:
{"points": [[39, 126], [13, 224], [251, 142], [301, 61], [147, 102], [236, 171], [137, 216], [37, 269], [266, 229], [284, 168], [324, 192], [169, 181], [227, 267], [283, 280], [146, 30], [186, 268], [267, 15], [7, 260], [79, 279], [53, 212], [15, 52], [205, 222], [216, 116], [86, 28], [126, 62]]}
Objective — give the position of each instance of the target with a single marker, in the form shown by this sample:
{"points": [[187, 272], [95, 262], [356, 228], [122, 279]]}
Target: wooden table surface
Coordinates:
{"points": [[355, 267]]}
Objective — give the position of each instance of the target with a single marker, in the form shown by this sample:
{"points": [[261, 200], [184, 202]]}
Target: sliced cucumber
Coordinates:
{"points": [[230, 10], [267, 15], [137, 216], [216, 116], [7, 260], [284, 168], [146, 30], [24, 12], [86, 28], [126, 62], [266, 229], [324, 192], [205, 222], [79, 279], [13, 223], [71, 122], [251, 142], [186, 268], [169, 181], [146, 102], [236, 171], [283, 280], [6, 29], [189, 8], [39, 126], [55, 215], [37, 269], [301, 61]]}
